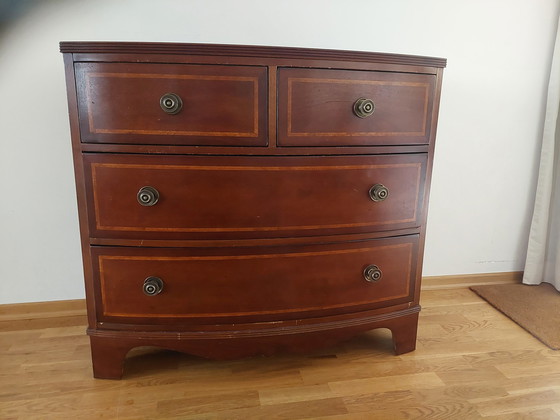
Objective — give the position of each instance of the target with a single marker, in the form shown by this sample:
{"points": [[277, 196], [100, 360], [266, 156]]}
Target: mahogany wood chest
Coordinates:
{"points": [[238, 200]]}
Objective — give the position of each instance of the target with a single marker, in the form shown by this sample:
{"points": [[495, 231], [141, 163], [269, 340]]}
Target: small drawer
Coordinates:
{"points": [[268, 283], [172, 104], [199, 197], [319, 107]]}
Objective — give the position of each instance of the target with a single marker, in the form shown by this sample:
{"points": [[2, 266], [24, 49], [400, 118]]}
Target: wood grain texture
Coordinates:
{"points": [[315, 107], [470, 363], [225, 285], [467, 280], [109, 348], [247, 197], [254, 191], [221, 105], [35, 315], [80, 182]]}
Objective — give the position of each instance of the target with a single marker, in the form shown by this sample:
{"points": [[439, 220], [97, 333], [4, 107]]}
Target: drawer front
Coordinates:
{"points": [[217, 105], [318, 107], [253, 197], [267, 283]]}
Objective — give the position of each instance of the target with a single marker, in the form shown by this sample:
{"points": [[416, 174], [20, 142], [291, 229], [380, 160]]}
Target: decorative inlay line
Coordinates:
{"points": [[407, 247], [243, 79], [291, 133], [95, 166], [253, 168], [251, 256]]}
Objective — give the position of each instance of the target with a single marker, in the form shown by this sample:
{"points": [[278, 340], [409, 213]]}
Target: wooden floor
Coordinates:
{"points": [[471, 362]]}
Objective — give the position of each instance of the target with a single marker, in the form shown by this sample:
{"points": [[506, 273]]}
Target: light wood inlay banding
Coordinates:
{"points": [[404, 250], [98, 189], [420, 132], [252, 80], [275, 199]]}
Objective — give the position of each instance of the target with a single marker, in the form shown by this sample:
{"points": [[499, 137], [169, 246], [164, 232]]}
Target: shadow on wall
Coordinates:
{"points": [[11, 10]]}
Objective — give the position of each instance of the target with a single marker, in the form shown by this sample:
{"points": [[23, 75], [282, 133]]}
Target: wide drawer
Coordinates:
{"points": [[319, 107], [251, 197], [134, 103], [266, 283]]}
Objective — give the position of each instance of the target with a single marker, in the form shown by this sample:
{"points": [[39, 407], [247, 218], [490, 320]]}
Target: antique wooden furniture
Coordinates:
{"points": [[239, 200]]}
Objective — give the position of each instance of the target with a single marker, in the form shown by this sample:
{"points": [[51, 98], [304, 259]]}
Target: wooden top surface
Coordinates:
{"points": [[247, 51]]}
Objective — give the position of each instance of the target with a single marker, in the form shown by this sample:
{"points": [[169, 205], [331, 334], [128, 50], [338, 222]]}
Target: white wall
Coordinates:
{"points": [[498, 51]]}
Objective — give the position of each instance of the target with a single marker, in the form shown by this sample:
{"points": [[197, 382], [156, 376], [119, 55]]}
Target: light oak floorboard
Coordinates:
{"points": [[471, 362]]}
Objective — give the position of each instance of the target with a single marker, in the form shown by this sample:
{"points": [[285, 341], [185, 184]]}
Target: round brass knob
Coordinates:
{"points": [[378, 192], [363, 107], [152, 286], [147, 196], [171, 103], [372, 273]]}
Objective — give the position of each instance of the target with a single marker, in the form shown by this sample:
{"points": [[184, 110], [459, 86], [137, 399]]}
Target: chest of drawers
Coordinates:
{"points": [[236, 201]]}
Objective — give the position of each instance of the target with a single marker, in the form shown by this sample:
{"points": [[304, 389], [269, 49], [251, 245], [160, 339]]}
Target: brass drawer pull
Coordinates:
{"points": [[363, 107], [152, 286], [372, 273], [171, 103], [378, 192], [147, 196]]}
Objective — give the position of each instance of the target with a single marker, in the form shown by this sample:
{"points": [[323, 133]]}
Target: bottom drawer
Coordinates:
{"points": [[197, 285]]}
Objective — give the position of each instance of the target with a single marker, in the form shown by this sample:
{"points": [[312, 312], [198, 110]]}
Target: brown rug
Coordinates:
{"points": [[535, 308]]}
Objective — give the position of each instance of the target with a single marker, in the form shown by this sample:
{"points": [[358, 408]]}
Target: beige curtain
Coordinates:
{"points": [[543, 252]]}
